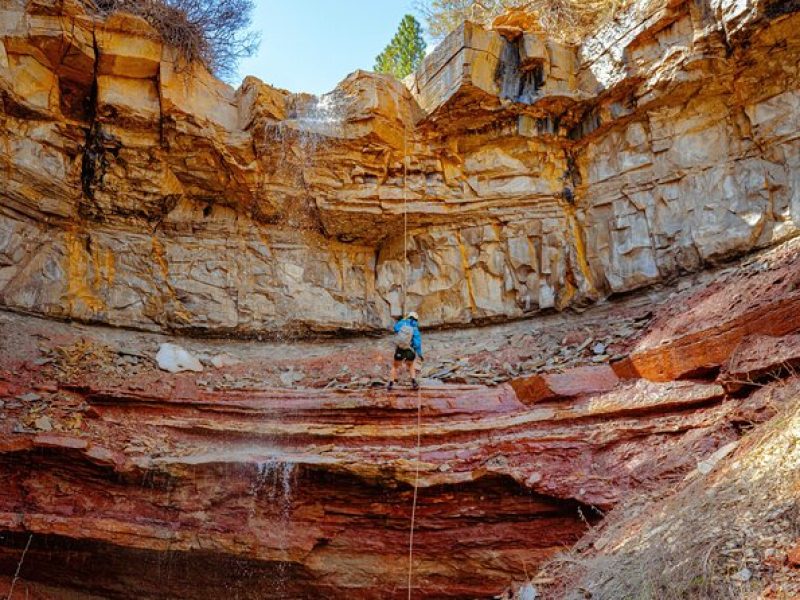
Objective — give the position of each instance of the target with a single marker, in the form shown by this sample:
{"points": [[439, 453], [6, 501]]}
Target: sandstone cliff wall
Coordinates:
{"points": [[140, 191], [281, 474]]}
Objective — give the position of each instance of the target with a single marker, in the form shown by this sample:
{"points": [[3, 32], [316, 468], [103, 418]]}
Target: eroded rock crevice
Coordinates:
{"points": [[682, 153], [283, 525]]}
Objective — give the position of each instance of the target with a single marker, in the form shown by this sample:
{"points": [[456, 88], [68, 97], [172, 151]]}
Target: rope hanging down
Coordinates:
{"points": [[414, 503], [405, 222], [419, 404]]}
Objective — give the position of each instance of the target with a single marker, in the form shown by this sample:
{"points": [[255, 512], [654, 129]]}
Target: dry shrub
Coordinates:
{"points": [[565, 20], [690, 544], [214, 32]]}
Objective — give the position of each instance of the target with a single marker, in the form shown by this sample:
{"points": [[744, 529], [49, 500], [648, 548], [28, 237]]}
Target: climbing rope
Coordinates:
{"points": [[414, 502], [19, 567], [419, 401], [405, 221]]}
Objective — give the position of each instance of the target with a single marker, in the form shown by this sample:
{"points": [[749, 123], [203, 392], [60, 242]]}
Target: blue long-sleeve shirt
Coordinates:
{"points": [[416, 339]]}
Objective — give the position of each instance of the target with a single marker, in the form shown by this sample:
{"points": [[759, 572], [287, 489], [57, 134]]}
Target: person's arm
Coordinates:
{"points": [[416, 343]]}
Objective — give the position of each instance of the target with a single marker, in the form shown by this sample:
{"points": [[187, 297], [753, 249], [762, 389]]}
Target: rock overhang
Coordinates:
{"points": [[476, 75], [513, 207], [288, 483], [291, 480]]}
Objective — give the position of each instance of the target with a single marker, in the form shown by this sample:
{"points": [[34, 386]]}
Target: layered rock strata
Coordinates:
{"points": [[159, 485], [140, 191], [307, 493]]}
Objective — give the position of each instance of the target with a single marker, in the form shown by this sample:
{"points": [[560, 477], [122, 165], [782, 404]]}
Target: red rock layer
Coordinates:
{"points": [[171, 490], [308, 493], [698, 334]]}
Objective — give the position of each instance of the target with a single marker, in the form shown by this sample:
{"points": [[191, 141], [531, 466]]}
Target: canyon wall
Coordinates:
{"points": [[265, 478], [140, 191]]}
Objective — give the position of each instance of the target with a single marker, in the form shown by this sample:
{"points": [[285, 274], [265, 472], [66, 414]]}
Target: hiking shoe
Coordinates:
{"points": [[414, 384], [390, 385]]}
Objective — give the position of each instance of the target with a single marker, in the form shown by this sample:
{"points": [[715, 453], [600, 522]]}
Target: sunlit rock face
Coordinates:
{"points": [[141, 191]]}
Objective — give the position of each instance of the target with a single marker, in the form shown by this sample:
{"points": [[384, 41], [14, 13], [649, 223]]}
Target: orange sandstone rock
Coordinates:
{"points": [[570, 383], [699, 335]]}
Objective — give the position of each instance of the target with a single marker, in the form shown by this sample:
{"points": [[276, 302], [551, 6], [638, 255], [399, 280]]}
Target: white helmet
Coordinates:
{"points": [[413, 315]]}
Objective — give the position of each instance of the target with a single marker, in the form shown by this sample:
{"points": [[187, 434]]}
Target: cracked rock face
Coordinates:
{"points": [[140, 191], [194, 485]]}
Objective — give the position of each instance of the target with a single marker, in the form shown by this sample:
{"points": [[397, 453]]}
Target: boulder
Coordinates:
{"points": [[573, 382], [173, 358], [514, 22]]}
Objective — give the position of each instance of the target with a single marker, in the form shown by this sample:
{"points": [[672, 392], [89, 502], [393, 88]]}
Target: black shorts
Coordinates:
{"points": [[404, 354]]}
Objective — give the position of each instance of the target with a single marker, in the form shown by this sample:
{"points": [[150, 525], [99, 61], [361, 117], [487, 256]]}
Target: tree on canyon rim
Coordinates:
{"points": [[405, 52], [215, 32]]}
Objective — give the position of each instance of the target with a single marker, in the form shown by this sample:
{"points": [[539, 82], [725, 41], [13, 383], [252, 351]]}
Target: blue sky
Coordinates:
{"points": [[311, 45]]}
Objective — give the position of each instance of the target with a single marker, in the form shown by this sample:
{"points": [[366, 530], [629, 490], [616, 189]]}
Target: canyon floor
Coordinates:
{"points": [[290, 463], [488, 354]]}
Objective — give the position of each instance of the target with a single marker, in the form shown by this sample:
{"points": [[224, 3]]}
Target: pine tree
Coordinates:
{"points": [[405, 52]]}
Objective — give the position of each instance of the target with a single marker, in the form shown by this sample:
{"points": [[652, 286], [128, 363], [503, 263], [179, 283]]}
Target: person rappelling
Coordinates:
{"points": [[408, 348]]}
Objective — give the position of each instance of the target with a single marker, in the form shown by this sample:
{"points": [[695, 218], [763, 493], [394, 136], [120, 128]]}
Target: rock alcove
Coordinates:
{"points": [[602, 246]]}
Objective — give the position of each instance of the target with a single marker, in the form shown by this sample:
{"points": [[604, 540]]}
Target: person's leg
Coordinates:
{"points": [[412, 370], [393, 374]]}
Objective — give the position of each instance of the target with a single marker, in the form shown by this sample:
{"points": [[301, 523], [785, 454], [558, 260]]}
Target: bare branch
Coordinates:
{"points": [[215, 32], [564, 20]]}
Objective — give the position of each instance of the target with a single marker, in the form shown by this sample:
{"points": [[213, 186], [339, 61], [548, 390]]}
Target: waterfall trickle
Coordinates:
{"points": [[272, 491], [295, 155], [310, 121], [275, 477], [323, 115]]}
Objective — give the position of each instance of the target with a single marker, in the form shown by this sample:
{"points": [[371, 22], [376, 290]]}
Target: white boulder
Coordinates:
{"points": [[175, 359]]}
